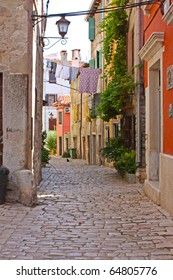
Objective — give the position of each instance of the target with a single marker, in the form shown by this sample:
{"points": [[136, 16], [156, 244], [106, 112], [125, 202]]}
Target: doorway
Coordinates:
{"points": [[84, 148], [154, 118], [1, 119], [60, 146], [94, 151]]}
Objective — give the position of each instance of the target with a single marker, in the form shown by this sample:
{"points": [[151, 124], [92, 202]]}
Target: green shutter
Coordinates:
{"points": [[92, 63], [91, 29]]}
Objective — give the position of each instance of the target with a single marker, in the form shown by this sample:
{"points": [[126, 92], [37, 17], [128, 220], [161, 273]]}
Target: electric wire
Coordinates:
{"points": [[101, 10], [160, 4]]}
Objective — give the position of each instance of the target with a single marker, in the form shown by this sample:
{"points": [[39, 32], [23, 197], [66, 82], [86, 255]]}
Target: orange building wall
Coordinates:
{"points": [[66, 117], [158, 25]]}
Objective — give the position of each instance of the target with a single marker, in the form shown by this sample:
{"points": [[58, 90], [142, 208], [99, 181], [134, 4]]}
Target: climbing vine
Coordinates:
{"points": [[121, 84]]}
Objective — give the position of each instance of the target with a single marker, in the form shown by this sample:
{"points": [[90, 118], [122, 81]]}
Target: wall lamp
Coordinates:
{"points": [[62, 26]]}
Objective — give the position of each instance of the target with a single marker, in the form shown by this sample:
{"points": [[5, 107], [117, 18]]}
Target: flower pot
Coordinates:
{"points": [[130, 178]]}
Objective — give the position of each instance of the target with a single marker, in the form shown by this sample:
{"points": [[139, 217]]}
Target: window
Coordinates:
{"points": [[67, 144], [60, 117], [99, 59], [107, 134], [167, 11], [116, 129], [50, 99], [52, 71], [52, 124], [52, 78], [166, 5], [93, 113]]}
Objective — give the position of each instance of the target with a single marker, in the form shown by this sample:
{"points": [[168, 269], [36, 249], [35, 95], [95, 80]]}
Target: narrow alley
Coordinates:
{"points": [[85, 212]]}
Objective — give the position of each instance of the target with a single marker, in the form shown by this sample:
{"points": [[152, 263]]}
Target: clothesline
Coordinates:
{"points": [[74, 89], [88, 76]]}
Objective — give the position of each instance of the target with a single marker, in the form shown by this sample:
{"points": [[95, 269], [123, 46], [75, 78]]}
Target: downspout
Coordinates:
{"points": [[62, 129], [80, 147], [138, 45], [102, 157]]}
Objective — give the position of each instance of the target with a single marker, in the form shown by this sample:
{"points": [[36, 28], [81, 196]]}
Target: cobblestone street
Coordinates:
{"points": [[85, 212]]}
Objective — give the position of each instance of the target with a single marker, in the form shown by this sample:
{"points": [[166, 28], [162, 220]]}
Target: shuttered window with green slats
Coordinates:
{"points": [[91, 29], [92, 63]]}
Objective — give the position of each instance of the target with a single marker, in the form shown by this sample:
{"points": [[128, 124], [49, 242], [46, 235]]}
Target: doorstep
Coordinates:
{"points": [[152, 190]]}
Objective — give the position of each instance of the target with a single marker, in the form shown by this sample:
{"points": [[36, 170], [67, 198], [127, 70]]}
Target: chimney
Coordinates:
{"points": [[76, 57]]}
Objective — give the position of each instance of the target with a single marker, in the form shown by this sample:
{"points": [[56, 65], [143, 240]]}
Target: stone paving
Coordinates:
{"points": [[85, 212]]}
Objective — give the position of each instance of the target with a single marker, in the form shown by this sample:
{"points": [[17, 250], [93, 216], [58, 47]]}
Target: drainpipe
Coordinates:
{"points": [[138, 45], [91, 139], [80, 147], [102, 158]]}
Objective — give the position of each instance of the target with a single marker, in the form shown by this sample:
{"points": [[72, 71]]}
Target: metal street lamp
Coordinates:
{"points": [[62, 25]]}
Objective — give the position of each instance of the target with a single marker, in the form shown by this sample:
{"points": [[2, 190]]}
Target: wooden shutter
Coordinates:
{"points": [[92, 63], [91, 29], [86, 108]]}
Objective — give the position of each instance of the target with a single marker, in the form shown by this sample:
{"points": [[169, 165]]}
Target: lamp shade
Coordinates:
{"points": [[62, 25]]}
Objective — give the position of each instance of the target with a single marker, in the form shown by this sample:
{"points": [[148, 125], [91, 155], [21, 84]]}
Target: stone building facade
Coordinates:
{"points": [[101, 131], [21, 81], [136, 112]]}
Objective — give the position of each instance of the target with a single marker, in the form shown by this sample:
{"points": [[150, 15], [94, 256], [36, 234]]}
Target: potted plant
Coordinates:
{"points": [[122, 157], [45, 154], [126, 166]]}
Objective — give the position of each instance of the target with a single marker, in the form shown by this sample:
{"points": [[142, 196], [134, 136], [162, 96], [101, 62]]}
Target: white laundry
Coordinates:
{"points": [[58, 70], [65, 73]]}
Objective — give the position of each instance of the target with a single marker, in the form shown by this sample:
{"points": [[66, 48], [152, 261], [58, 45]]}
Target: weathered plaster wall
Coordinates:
{"points": [[22, 140], [15, 48], [15, 122], [38, 101], [166, 179], [14, 34]]}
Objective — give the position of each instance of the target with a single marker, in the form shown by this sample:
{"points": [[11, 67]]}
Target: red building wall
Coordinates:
{"points": [[155, 23]]}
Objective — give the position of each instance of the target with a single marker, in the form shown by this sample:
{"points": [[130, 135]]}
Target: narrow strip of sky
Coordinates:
{"points": [[78, 28]]}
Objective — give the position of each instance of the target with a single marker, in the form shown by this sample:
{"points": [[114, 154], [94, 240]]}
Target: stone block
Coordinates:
{"points": [[130, 178], [152, 190], [27, 188]]}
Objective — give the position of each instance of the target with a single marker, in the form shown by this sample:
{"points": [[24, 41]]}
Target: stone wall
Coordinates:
{"points": [[21, 62], [15, 122], [14, 34]]}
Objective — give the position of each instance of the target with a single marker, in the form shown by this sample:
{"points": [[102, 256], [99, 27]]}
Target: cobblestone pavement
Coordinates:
{"points": [[85, 212]]}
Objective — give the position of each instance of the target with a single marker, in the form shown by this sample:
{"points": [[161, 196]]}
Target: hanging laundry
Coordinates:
{"points": [[73, 73], [88, 80], [65, 73], [58, 70]]}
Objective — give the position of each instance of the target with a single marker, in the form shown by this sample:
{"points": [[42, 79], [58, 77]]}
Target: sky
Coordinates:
{"points": [[78, 28]]}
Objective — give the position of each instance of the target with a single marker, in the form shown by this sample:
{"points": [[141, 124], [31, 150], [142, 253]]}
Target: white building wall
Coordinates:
{"points": [[47, 110], [61, 87]]}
